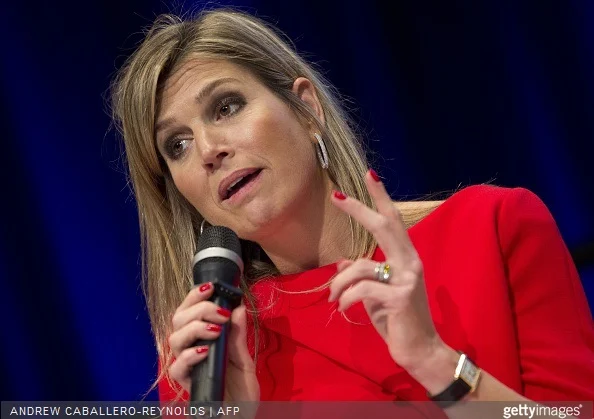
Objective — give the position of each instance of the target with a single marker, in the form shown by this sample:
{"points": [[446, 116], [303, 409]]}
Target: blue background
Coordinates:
{"points": [[448, 93]]}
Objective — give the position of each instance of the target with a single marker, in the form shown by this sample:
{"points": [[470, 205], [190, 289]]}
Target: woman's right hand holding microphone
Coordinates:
{"points": [[199, 319]]}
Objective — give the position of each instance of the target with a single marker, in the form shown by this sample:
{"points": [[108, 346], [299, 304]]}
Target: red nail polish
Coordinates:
{"points": [[205, 287], [339, 195], [223, 312], [374, 175], [213, 328], [201, 349]]}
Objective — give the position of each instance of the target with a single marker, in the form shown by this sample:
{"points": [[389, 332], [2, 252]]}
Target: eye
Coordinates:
{"points": [[175, 147], [228, 106]]}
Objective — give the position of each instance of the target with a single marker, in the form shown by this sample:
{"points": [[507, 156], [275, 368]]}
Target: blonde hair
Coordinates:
{"points": [[169, 225]]}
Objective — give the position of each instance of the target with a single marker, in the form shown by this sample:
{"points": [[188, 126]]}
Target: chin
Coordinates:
{"points": [[257, 223]]}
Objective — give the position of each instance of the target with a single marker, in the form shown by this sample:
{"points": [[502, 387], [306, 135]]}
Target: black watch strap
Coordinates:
{"points": [[452, 394], [465, 381]]}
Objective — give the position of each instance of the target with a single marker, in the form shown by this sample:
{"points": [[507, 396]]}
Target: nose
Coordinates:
{"points": [[213, 150], [212, 159]]}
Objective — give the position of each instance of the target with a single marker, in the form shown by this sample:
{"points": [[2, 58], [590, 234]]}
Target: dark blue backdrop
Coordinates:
{"points": [[450, 93]]}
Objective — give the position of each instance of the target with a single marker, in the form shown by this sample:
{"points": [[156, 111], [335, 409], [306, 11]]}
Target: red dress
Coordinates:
{"points": [[502, 288]]}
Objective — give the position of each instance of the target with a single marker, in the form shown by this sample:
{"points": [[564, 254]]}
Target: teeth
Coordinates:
{"points": [[234, 183]]}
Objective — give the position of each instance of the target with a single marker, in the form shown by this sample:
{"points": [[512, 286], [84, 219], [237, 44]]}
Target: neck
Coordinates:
{"points": [[311, 236]]}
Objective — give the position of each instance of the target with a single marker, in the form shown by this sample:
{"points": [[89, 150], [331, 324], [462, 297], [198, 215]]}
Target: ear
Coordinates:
{"points": [[305, 90]]}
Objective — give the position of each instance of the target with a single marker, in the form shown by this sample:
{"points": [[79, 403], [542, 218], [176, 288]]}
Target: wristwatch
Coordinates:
{"points": [[466, 378]]}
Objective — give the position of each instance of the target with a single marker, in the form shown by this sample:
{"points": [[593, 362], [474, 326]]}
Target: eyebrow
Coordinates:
{"points": [[203, 94]]}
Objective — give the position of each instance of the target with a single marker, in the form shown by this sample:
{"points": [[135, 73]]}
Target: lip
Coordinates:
{"points": [[225, 183]]}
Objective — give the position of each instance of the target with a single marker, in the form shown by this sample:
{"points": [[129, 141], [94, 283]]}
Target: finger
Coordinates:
{"points": [[361, 269], [239, 354], [343, 264], [382, 200], [198, 293], [385, 205], [383, 228], [192, 332], [203, 310], [181, 368], [364, 289]]}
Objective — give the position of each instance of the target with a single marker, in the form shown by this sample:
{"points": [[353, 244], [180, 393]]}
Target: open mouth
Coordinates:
{"points": [[240, 183]]}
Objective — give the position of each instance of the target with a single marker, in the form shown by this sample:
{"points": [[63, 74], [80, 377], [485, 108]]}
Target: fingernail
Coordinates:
{"points": [[339, 195], [205, 287], [223, 312], [374, 175], [201, 349], [213, 328]]}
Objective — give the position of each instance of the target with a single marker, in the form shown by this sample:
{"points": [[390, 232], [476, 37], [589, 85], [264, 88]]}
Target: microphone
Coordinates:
{"points": [[218, 260]]}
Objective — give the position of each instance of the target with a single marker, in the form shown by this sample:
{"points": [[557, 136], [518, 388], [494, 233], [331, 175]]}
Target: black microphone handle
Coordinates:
{"points": [[208, 377]]}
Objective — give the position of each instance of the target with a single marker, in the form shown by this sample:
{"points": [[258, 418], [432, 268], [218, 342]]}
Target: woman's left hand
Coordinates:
{"points": [[398, 309]]}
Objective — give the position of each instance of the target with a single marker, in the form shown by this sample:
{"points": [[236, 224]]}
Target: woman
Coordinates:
{"points": [[350, 296]]}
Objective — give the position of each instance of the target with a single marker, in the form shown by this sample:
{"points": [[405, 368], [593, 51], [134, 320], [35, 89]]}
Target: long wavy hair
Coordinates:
{"points": [[169, 225]]}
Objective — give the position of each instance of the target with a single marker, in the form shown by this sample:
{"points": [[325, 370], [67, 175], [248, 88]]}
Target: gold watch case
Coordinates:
{"points": [[466, 370]]}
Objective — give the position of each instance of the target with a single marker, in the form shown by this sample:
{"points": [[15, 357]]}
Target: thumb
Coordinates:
{"points": [[238, 350]]}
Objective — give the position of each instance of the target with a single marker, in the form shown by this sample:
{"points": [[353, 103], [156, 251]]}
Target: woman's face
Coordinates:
{"points": [[218, 125]]}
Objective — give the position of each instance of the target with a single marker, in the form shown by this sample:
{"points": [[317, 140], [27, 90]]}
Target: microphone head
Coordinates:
{"points": [[219, 236], [217, 247]]}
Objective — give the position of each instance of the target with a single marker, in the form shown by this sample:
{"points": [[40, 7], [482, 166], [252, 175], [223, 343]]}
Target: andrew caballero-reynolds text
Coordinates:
{"points": [[148, 411]]}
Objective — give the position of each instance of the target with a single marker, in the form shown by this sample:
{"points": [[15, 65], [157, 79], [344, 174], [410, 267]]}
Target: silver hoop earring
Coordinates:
{"points": [[322, 152], [202, 225]]}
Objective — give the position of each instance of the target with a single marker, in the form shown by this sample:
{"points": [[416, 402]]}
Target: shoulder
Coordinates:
{"points": [[475, 202]]}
